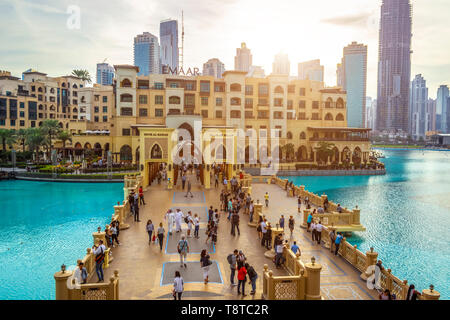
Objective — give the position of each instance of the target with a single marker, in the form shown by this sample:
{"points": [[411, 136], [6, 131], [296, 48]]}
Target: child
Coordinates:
{"points": [[266, 197]]}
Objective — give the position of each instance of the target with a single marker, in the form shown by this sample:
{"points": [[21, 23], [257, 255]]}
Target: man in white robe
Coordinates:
{"points": [[178, 220], [170, 218]]}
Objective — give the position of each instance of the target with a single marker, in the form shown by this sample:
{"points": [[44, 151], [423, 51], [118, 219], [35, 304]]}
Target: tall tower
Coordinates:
{"points": [[281, 64], [310, 70], [442, 109], [168, 35], [418, 109], [394, 65], [243, 58], [354, 81], [146, 53]]}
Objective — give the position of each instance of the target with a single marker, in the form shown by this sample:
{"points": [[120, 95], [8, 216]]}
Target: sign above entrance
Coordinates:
{"points": [[180, 71]]}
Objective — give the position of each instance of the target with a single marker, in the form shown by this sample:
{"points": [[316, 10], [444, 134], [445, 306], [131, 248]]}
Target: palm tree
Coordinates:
{"points": [[64, 136], [50, 128], [21, 136], [289, 150], [82, 74], [35, 139], [7, 137], [325, 150]]}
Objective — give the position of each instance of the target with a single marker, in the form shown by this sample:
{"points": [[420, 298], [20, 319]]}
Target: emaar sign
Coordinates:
{"points": [[180, 71]]}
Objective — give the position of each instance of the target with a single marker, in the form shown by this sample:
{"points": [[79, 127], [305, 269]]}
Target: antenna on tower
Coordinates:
{"points": [[182, 40]]}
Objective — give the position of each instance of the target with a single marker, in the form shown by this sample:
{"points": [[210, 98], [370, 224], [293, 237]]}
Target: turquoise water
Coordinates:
{"points": [[46, 224], [406, 213]]}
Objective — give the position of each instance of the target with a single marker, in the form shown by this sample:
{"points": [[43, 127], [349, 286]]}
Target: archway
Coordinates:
{"points": [[186, 140], [345, 155], [106, 150], [302, 135], [156, 152], [302, 153], [98, 149], [250, 155], [126, 153], [329, 117], [78, 149], [340, 117], [87, 145], [356, 156]]}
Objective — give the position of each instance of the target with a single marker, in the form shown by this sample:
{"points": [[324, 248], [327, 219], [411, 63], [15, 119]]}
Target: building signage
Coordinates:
{"points": [[180, 71]]}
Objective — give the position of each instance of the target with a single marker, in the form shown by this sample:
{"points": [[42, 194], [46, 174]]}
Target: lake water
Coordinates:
{"points": [[406, 213], [46, 224]]}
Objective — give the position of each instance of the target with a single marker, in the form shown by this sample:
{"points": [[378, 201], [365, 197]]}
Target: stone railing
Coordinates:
{"points": [[98, 291], [362, 262]]}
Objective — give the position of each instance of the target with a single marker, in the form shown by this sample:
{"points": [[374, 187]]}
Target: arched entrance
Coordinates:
{"points": [[345, 155], [356, 156], [98, 149], [186, 139], [302, 154], [250, 155], [126, 153]]}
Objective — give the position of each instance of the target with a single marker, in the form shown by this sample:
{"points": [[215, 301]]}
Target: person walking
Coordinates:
{"points": [[196, 225], [216, 180], [308, 222], [150, 228], [183, 181], [266, 199], [235, 224], [178, 220], [242, 275], [319, 228], [170, 218], [178, 286], [141, 196], [114, 234], [263, 228], [291, 224], [232, 261], [295, 248], [252, 275], [281, 222], [190, 223], [332, 236], [299, 204], [240, 259], [205, 262], [161, 232], [183, 250], [99, 253], [313, 231], [189, 186], [337, 242]]}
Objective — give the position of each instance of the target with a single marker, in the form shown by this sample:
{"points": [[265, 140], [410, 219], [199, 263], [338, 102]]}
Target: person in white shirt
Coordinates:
{"points": [[313, 230], [196, 225], [190, 223], [319, 228], [99, 253], [80, 274], [178, 219], [170, 218], [177, 286], [263, 231]]}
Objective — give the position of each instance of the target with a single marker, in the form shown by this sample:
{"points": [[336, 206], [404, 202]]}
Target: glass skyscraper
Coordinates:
{"points": [[146, 54], [419, 101], [168, 34], [443, 110], [105, 74], [394, 65]]}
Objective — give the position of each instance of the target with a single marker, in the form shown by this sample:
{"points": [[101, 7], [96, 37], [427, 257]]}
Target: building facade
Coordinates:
{"points": [[147, 54], [281, 64], [168, 36], [431, 115], [371, 112], [311, 70], [442, 109], [394, 65], [419, 116], [213, 67], [354, 74], [243, 59], [105, 74]]}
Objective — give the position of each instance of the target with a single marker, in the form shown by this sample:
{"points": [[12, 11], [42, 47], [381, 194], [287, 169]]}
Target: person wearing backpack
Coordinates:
{"points": [[99, 253], [183, 249], [232, 261], [205, 262], [252, 275]]}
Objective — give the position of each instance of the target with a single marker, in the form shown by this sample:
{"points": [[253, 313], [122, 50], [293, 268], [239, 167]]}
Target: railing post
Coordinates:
{"points": [[430, 294], [304, 224], [99, 235], [270, 286], [355, 256], [313, 280], [371, 260], [61, 290], [356, 216], [389, 280], [116, 285]]}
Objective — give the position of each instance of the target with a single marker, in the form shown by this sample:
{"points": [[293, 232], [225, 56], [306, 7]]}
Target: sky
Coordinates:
{"points": [[35, 33]]}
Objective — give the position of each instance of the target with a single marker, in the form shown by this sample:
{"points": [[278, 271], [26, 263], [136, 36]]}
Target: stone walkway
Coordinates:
{"points": [[141, 265]]}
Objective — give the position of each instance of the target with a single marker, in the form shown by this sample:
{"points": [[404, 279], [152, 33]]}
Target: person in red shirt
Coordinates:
{"points": [[241, 175], [242, 275], [141, 196]]}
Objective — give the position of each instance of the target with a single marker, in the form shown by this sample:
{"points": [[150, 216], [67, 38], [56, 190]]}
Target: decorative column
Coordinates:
{"points": [[304, 224], [270, 254], [313, 280], [120, 211], [356, 216], [99, 235], [430, 294], [371, 260], [61, 290], [206, 177]]}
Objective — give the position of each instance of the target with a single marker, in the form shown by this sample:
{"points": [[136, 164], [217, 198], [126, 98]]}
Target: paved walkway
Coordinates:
{"points": [[141, 265]]}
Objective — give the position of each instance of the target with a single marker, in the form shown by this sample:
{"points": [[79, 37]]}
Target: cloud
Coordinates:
{"points": [[350, 20]]}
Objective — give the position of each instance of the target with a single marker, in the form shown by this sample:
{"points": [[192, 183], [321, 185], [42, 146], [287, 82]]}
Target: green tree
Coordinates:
{"points": [[35, 140], [51, 129], [64, 136], [289, 151], [82, 74], [325, 150], [21, 136], [8, 138]]}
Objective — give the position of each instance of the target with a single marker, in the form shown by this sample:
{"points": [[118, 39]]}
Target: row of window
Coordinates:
{"points": [[12, 122]]}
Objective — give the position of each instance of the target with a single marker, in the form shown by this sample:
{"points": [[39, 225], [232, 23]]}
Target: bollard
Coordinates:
{"points": [[99, 235], [304, 224], [313, 280]]}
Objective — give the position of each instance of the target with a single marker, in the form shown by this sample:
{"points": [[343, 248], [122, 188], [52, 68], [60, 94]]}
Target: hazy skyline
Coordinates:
{"points": [[35, 34]]}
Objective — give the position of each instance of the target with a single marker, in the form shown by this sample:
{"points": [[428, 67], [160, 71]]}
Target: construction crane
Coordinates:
{"points": [[182, 40], [105, 60]]}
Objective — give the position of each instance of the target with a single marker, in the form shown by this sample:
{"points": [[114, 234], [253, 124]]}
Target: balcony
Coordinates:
{"points": [[340, 139]]}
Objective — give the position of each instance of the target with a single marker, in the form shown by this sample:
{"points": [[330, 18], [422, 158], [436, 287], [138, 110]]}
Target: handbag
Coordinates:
{"points": [[154, 238]]}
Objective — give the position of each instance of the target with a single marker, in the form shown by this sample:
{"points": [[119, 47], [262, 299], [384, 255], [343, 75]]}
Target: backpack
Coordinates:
{"points": [[230, 258], [186, 219]]}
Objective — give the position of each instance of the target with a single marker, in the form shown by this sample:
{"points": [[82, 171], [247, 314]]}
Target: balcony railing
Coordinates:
{"points": [[340, 139]]}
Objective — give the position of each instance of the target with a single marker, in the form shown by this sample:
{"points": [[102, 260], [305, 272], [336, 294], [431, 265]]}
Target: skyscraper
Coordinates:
{"points": [[371, 109], [213, 67], [168, 35], [243, 58], [353, 78], [431, 115], [146, 54], [418, 108], [105, 74], [310, 70], [281, 64], [394, 65], [442, 110]]}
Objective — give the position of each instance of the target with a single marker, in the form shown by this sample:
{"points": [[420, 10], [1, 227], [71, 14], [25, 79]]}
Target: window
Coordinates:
{"points": [[159, 85], [142, 99], [159, 99], [126, 97], [235, 102], [96, 98], [22, 123], [126, 112], [249, 103], [96, 109], [204, 101], [2, 122], [278, 115], [302, 116], [315, 104], [173, 85], [22, 114], [174, 100], [204, 86], [32, 110], [289, 135], [328, 117], [219, 88], [219, 102], [105, 109], [291, 88], [278, 102], [262, 102], [290, 104], [142, 112], [219, 114], [189, 86], [33, 124], [315, 116], [263, 89], [126, 83], [105, 99], [302, 104], [302, 92], [235, 114], [339, 117], [105, 118], [249, 90], [290, 115], [22, 105], [12, 122], [126, 132], [279, 89], [96, 119], [278, 131], [204, 113], [189, 100], [235, 87], [263, 115], [249, 114], [159, 112], [303, 135]]}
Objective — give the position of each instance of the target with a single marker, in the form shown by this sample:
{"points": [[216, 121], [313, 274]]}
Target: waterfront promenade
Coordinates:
{"points": [[141, 265]]}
